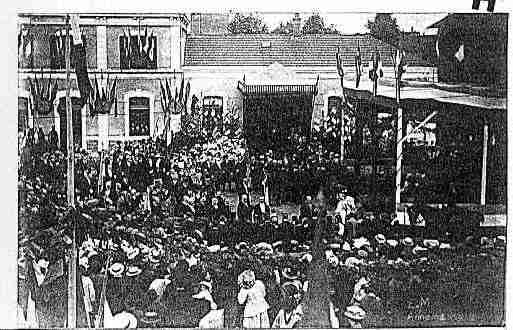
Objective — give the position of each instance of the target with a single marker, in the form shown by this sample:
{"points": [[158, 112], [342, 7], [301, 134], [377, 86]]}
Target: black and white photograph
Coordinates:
{"points": [[254, 169]]}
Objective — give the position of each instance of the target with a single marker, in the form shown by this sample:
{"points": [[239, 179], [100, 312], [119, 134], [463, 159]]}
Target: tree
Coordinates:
{"points": [[315, 25], [286, 28], [247, 24], [385, 28]]}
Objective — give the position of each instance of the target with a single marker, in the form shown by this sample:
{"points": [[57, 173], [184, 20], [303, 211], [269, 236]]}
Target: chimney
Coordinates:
{"points": [[296, 25]]}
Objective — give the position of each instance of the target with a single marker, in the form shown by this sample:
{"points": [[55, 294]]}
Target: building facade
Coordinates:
{"points": [[139, 112]]}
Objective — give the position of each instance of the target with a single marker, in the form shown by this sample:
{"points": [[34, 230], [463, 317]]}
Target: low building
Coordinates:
{"points": [[41, 56]]}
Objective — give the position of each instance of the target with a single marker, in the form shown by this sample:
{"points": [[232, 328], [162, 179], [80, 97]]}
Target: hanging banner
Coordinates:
{"points": [[175, 122]]}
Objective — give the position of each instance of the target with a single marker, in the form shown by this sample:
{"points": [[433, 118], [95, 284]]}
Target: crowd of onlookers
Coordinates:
{"points": [[161, 246]]}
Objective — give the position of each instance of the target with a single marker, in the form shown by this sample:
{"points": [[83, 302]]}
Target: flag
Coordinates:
{"points": [[151, 48], [358, 65], [163, 99], [180, 96], [340, 64], [375, 69], [399, 63], [187, 92], [146, 41], [80, 61], [113, 98], [460, 54], [169, 95]]}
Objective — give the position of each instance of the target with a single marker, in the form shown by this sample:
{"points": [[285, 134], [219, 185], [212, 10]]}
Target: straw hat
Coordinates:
{"points": [[214, 248], [133, 271], [132, 253], [117, 269], [154, 256], [392, 242], [407, 241], [289, 273], [431, 243], [355, 313], [380, 238]]}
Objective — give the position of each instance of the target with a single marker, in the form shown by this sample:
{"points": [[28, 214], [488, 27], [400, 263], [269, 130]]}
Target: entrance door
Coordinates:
{"points": [[77, 122], [269, 120]]}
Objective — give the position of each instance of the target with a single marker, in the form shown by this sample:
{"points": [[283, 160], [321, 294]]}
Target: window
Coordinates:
{"points": [[138, 52], [58, 50], [23, 115], [139, 116], [212, 114]]}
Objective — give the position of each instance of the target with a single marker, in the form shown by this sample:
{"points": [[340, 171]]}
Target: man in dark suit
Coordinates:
{"points": [[261, 211], [244, 209], [307, 209]]}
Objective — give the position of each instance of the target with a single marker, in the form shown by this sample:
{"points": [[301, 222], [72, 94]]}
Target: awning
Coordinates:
{"points": [[248, 90], [386, 97]]}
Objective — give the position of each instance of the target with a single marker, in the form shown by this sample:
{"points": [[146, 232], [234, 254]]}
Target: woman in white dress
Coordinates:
{"points": [[252, 296]]}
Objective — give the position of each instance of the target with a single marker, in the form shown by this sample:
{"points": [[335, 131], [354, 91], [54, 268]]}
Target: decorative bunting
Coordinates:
{"points": [[43, 97]]}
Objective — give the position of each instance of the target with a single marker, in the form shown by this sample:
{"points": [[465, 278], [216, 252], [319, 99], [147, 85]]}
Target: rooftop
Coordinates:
{"points": [[304, 50]]}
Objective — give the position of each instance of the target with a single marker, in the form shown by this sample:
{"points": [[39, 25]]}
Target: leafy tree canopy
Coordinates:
{"points": [[385, 28], [315, 25], [247, 24]]}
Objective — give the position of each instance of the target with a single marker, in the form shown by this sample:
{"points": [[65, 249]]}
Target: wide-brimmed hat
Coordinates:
{"points": [[214, 248], [132, 253], [419, 250], [407, 241], [117, 269], [431, 243], [380, 238], [290, 273], [133, 271], [445, 246], [355, 313], [362, 254], [360, 242], [392, 242], [154, 256], [352, 262]]}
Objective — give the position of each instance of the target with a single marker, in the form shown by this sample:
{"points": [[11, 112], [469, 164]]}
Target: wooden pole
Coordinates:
{"points": [[483, 169], [373, 105], [342, 122], [399, 146], [72, 270]]}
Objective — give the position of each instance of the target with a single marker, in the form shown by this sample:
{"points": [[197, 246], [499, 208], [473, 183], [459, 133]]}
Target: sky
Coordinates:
{"points": [[350, 23]]}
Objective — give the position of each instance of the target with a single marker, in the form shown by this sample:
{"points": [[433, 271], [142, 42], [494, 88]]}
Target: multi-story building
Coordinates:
{"points": [[139, 112]]}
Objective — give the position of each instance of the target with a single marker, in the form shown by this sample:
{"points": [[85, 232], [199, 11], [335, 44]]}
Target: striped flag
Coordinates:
{"points": [[358, 65]]}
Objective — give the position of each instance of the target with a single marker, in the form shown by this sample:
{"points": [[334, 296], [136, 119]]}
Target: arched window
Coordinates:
{"points": [[139, 116]]}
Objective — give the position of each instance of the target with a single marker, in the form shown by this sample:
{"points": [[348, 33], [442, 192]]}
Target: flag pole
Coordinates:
{"points": [[72, 269], [373, 129], [399, 137], [340, 70]]}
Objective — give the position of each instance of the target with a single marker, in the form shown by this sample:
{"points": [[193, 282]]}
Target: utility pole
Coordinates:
{"points": [[72, 269]]}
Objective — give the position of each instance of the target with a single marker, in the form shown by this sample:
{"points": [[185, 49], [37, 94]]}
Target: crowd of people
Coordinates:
{"points": [[160, 245]]}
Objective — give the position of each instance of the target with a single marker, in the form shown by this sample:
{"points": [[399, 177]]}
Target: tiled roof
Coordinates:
{"points": [[305, 50]]}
